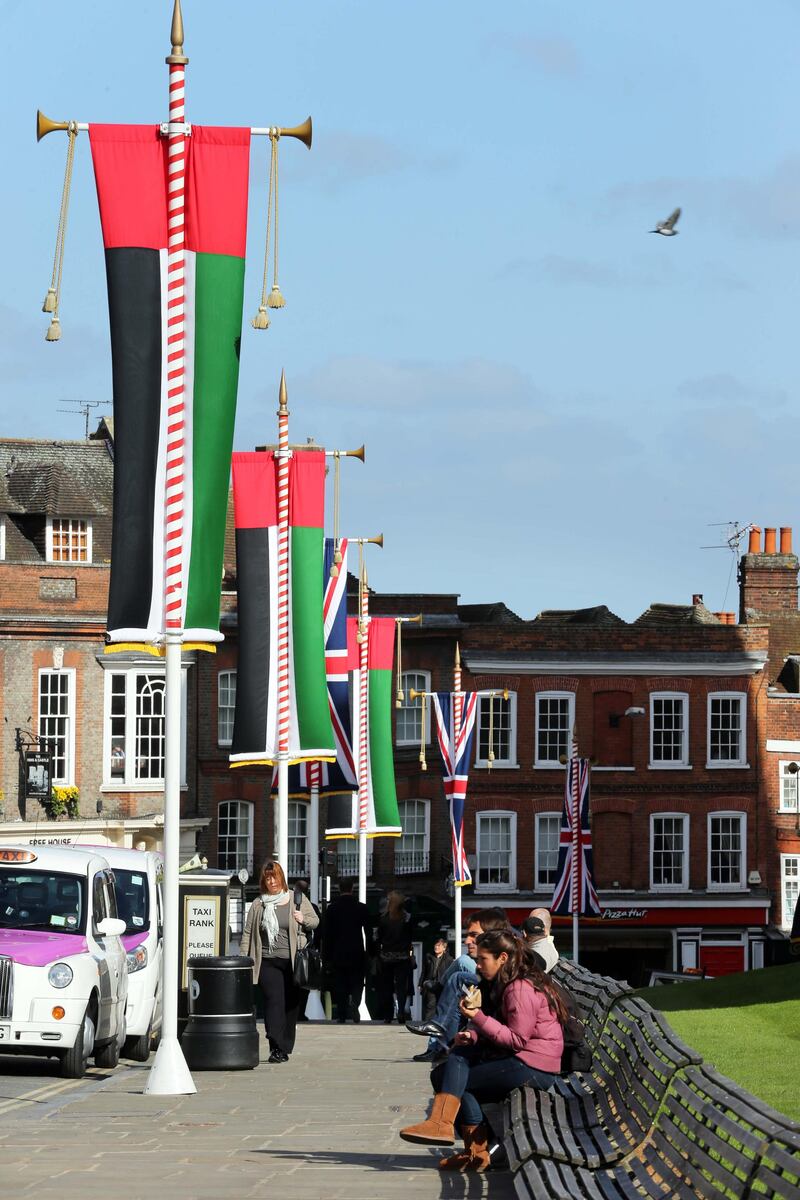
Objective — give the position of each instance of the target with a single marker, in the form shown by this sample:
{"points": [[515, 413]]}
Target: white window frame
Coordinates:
{"points": [[502, 763], [72, 562], [299, 806], [399, 867], [2, 539], [130, 783], [68, 779], [741, 761], [249, 813], [683, 886], [541, 884], [511, 886], [426, 677], [787, 859], [550, 764], [221, 741], [675, 764], [783, 775], [347, 856], [741, 886]]}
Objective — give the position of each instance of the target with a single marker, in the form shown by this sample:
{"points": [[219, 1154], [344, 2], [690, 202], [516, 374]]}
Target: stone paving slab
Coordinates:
{"points": [[323, 1125]]}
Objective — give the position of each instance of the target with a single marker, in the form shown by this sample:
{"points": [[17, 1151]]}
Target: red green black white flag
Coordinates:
{"points": [[130, 164], [255, 499]]}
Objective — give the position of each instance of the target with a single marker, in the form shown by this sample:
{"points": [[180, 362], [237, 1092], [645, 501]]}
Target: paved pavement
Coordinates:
{"points": [[323, 1125]]}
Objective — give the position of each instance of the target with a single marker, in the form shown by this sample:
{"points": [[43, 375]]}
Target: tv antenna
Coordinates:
{"points": [[84, 407], [732, 539]]}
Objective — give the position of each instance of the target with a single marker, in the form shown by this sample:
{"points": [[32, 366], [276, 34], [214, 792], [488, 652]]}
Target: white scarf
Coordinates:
{"points": [[269, 918]]}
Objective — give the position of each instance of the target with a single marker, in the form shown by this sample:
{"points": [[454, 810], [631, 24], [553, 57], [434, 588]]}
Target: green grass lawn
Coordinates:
{"points": [[747, 1026]]}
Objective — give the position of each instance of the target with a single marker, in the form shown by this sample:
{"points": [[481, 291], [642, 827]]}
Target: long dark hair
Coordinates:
{"points": [[521, 964]]}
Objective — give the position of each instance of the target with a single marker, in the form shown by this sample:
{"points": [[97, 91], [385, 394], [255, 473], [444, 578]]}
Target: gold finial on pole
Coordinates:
{"points": [[458, 657], [176, 34], [282, 396]]}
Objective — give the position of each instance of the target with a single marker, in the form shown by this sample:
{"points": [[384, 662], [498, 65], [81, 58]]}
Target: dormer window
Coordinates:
{"points": [[69, 540]]}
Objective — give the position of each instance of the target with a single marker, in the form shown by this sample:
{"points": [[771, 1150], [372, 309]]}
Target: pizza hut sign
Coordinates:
{"points": [[624, 914]]}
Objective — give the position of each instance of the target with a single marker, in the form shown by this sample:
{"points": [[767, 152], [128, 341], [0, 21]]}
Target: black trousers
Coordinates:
{"points": [[347, 986], [281, 1000], [394, 979]]}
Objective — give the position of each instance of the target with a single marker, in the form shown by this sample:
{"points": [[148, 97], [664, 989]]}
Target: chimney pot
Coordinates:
{"points": [[697, 598], [786, 539], [731, 618], [769, 541], [754, 545]]}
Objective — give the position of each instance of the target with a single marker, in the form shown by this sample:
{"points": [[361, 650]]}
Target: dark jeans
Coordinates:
{"points": [[477, 1083], [429, 1002], [281, 998], [394, 979], [347, 987], [447, 1011]]}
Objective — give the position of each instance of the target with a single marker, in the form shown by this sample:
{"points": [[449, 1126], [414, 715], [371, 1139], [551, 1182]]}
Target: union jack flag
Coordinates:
{"points": [[341, 775], [574, 891], [456, 756]]}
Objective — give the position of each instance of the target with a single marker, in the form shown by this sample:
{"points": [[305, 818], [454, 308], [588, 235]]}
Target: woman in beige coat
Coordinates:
{"points": [[274, 931]]}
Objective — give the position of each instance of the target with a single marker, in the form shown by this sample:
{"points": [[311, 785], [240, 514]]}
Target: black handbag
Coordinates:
{"points": [[308, 967]]}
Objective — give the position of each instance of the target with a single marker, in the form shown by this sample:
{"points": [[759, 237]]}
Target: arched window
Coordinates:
{"points": [[412, 850], [235, 835]]}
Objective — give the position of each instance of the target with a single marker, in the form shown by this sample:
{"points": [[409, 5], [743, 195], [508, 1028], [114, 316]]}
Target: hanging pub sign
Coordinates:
{"points": [[38, 774]]}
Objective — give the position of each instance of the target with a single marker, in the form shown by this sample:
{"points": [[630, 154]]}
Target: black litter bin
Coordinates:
{"points": [[221, 1032]]}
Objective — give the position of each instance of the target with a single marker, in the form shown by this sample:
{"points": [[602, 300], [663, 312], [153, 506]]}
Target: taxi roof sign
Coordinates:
{"points": [[18, 856]]}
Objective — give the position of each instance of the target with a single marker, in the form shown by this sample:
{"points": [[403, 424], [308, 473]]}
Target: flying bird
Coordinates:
{"points": [[667, 228]]}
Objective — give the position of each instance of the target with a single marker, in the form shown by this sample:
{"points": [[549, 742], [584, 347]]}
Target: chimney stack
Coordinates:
{"points": [[768, 579]]}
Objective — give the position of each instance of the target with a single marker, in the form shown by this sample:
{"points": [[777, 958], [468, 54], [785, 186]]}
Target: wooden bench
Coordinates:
{"points": [[593, 994], [711, 1141], [595, 1119]]}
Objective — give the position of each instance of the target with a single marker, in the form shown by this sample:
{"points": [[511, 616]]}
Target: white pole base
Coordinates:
{"points": [[363, 1011], [314, 1009], [169, 1074]]}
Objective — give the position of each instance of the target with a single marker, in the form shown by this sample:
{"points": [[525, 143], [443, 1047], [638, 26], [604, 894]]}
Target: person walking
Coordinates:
{"points": [[395, 952], [346, 942], [275, 929], [303, 885], [521, 1046], [436, 963]]}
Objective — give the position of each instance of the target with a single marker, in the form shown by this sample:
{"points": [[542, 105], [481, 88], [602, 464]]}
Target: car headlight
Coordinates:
{"points": [[59, 975], [137, 959]]}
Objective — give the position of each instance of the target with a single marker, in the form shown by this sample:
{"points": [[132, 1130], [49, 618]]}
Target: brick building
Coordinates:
{"points": [[670, 706], [101, 716]]}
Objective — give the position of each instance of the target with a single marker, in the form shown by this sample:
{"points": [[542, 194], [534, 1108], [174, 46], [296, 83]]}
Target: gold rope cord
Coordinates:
{"points": [[261, 319], [275, 300], [490, 756], [400, 696], [337, 553], [52, 299], [423, 765]]}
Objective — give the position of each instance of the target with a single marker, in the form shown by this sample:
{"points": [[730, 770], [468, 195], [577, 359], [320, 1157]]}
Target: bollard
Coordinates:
{"points": [[221, 1033]]}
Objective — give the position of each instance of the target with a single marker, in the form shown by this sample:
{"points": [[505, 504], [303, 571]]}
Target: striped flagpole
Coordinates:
{"points": [[458, 706], [284, 703], [169, 1075], [363, 731]]}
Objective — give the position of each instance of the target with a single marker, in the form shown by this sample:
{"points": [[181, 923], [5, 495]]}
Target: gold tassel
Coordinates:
{"points": [[337, 553], [399, 697], [49, 305], [275, 299], [53, 331], [490, 755], [260, 320], [423, 765]]}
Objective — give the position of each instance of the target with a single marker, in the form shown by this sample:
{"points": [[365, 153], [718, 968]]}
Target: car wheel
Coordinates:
{"points": [[73, 1061], [107, 1056], [138, 1048]]}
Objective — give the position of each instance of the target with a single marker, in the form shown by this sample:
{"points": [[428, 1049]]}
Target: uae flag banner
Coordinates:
{"points": [[255, 500], [130, 164], [336, 776], [382, 818]]}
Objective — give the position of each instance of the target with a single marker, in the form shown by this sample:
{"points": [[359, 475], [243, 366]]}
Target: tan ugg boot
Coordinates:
{"points": [[438, 1129], [475, 1155]]}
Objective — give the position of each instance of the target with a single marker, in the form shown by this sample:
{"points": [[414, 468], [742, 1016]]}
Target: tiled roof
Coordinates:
{"points": [[599, 615], [40, 479], [488, 614], [677, 614]]}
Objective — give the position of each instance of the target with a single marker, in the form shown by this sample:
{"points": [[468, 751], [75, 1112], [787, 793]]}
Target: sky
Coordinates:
{"points": [[559, 409]]}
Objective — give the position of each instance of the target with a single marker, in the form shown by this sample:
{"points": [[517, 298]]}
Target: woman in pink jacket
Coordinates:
{"points": [[493, 1055]]}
